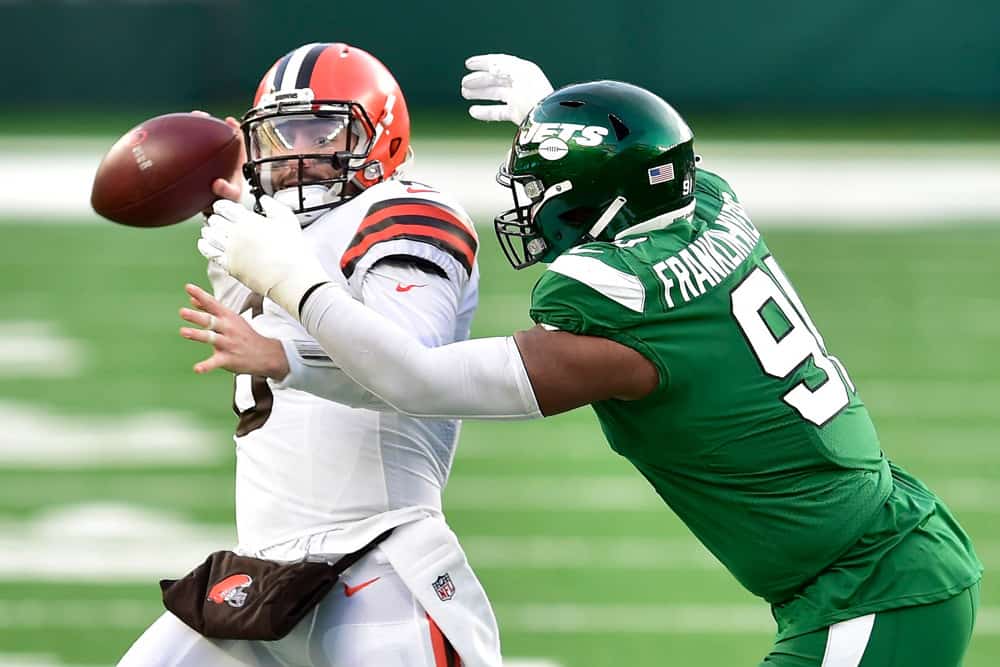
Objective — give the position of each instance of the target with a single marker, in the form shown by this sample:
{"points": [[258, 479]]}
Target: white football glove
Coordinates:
{"points": [[267, 253], [519, 84]]}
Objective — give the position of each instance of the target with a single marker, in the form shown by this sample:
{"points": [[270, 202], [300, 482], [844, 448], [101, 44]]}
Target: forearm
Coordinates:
{"points": [[482, 378], [427, 314], [311, 370]]}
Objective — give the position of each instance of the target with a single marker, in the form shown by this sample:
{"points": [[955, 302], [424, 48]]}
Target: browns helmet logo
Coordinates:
{"points": [[232, 590]]}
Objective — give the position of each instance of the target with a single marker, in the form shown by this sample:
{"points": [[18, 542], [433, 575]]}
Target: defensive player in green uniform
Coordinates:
{"points": [[663, 309]]}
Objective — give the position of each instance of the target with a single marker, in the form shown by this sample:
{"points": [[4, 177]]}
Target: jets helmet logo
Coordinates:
{"points": [[232, 590], [554, 139]]}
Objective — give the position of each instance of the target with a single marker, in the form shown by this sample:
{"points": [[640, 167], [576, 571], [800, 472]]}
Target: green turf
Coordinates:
{"points": [[912, 313]]}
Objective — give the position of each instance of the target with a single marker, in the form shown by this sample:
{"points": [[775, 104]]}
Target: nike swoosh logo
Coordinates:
{"points": [[351, 590], [416, 190], [403, 287]]}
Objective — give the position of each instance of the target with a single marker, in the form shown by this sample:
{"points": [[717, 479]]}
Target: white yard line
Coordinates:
{"points": [[556, 493], [120, 543], [149, 552], [31, 348], [588, 553], [780, 183], [930, 399], [971, 494], [105, 542], [930, 441], [39, 437], [626, 493]]}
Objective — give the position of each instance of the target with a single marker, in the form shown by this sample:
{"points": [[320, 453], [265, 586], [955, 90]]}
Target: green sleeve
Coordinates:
{"points": [[607, 303]]}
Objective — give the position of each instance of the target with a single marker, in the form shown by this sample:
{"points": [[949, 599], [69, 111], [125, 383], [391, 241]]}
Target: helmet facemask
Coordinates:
{"points": [[524, 241], [307, 153], [520, 237]]}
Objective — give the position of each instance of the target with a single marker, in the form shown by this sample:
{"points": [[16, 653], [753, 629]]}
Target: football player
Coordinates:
{"points": [[663, 308], [328, 136]]}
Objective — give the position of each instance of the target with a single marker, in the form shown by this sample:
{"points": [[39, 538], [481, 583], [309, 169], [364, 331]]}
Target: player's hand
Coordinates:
{"points": [[519, 84], [231, 186], [267, 253], [235, 345]]}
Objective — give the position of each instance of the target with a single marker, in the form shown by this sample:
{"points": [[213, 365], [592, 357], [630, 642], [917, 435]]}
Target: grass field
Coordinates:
{"points": [[584, 566]]}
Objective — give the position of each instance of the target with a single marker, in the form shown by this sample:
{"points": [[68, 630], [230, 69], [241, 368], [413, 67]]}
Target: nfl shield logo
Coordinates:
{"points": [[444, 587]]}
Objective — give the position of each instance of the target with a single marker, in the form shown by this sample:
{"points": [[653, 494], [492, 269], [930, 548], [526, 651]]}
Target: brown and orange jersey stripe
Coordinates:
{"points": [[444, 653], [413, 219]]}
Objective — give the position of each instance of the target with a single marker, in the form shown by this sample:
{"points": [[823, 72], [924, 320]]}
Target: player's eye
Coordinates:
{"points": [[325, 141]]}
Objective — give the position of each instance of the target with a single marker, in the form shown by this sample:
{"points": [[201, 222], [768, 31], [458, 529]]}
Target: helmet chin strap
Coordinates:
{"points": [[610, 212], [312, 195]]}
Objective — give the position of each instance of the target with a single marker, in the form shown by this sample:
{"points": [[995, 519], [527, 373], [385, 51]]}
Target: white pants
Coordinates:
{"points": [[379, 624]]}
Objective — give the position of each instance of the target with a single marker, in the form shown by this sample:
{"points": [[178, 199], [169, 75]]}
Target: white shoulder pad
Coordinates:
{"points": [[608, 281], [411, 219]]}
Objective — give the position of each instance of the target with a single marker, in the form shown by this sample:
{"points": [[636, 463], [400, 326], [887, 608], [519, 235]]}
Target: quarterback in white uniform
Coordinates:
{"points": [[324, 467]]}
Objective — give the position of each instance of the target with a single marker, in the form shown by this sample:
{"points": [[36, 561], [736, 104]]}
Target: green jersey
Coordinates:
{"points": [[755, 436]]}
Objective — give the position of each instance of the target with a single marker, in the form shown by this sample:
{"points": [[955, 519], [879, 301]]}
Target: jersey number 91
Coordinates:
{"points": [[780, 356]]}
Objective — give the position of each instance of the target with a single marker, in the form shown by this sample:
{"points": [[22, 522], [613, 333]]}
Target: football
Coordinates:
{"points": [[161, 171]]}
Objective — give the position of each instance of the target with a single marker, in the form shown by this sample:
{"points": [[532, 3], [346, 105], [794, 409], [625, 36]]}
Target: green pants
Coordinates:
{"points": [[931, 635]]}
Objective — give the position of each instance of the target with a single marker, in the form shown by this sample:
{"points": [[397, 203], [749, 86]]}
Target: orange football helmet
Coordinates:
{"points": [[327, 122]]}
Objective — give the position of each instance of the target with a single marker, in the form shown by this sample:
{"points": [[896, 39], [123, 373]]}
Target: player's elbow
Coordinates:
{"points": [[408, 388]]}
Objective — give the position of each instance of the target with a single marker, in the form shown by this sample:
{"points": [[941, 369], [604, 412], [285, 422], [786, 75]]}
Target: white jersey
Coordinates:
{"points": [[319, 477]]}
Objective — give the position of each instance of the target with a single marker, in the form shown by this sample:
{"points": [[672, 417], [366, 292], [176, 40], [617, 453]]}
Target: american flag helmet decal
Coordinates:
{"points": [[661, 174]]}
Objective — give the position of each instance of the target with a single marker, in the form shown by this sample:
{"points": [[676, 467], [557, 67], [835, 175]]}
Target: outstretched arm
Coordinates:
{"points": [[533, 373], [488, 378], [427, 313]]}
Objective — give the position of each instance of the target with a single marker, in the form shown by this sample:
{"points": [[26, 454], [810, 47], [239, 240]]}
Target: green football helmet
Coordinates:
{"points": [[589, 161]]}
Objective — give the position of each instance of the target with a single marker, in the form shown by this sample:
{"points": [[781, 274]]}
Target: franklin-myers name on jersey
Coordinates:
{"points": [[711, 258]]}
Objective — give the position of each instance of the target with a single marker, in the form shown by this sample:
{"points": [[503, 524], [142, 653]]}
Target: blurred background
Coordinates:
{"points": [[863, 137]]}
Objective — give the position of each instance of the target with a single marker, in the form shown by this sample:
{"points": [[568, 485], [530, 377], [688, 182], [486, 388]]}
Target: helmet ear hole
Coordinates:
{"points": [[621, 129], [581, 215], [394, 146]]}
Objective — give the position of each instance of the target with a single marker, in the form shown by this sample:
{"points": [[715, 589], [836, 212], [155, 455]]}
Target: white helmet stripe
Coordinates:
{"points": [[308, 65], [291, 73], [269, 82]]}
